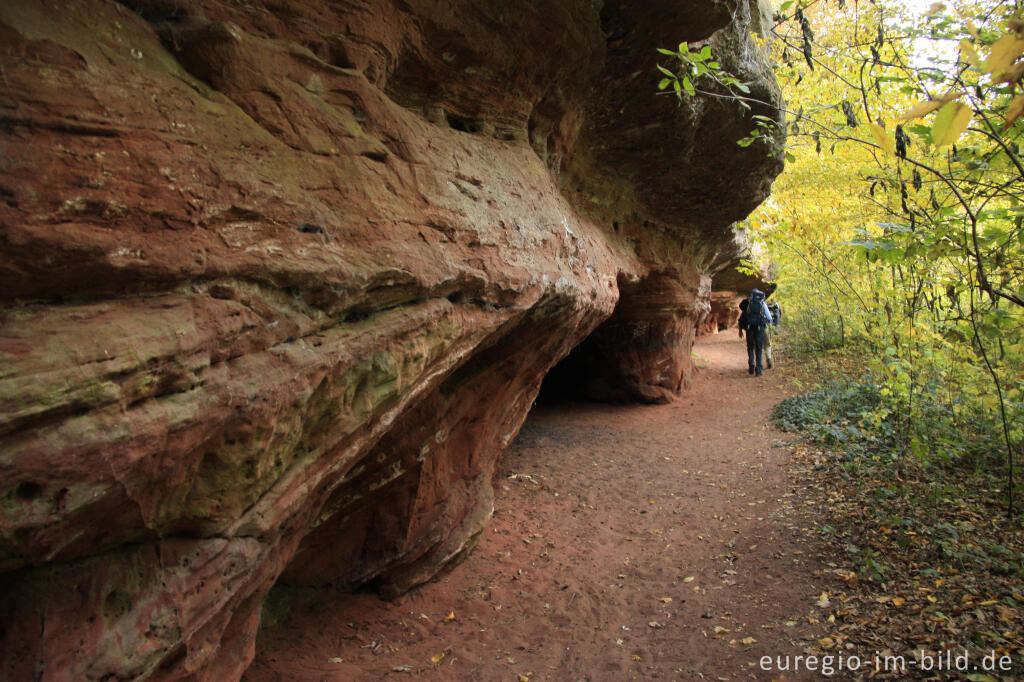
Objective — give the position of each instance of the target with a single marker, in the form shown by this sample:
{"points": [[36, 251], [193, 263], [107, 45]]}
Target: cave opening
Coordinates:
{"points": [[463, 123], [641, 353], [568, 380]]}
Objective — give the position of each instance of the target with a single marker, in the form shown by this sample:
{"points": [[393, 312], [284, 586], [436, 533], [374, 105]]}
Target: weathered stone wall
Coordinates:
{"points": [[280, 280], [724, 313]]}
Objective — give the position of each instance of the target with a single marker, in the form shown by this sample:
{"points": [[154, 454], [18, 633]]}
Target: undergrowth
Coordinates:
{"points": [[926, 557]]}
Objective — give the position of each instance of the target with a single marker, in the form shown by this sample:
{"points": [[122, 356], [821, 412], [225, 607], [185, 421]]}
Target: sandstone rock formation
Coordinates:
{"points": [[733, 282], [279, 281]]}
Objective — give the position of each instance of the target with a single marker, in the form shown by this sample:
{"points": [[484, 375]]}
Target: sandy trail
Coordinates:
{"points": [[628, 542]]}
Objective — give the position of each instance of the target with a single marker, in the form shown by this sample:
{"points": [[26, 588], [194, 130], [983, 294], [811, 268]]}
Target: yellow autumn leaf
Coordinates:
{"points": [[665, 600], [688, 579], [882, 138], [950, 123], [921, 109], [1011, 75], [898, 601], [450, 617], [748, 640], [524, 678], [1004, 53], [969, 53], [635, 657], [437, 659]]}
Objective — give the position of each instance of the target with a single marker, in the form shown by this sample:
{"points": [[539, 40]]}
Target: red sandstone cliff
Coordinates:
{"points": [[279, 280]]}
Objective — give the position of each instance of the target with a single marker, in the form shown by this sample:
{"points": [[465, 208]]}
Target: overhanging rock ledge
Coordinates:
{"points": [[280, 280]]}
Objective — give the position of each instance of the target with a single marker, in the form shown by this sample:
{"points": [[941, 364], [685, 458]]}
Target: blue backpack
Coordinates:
{"points": [[755, 309]]}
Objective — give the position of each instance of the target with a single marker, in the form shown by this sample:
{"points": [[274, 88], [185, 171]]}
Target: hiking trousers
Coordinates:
{"points": [[755, 347]]}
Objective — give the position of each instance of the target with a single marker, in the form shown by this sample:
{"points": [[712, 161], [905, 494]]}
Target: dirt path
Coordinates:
{"points": [[628, 542]]}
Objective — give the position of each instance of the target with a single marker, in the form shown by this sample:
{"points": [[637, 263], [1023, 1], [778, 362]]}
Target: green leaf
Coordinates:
{"points": [[670, 53], [742, 88], [950, 123], [666, 71], [683, 48], [786, 5], [677, 87], [790, 158], [714, 65], [746, 141], [688, 86], [705, 52], [663, 83]]}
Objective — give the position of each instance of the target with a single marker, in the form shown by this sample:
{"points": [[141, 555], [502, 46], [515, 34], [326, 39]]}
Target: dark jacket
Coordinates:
{"points": [[743, 316]]}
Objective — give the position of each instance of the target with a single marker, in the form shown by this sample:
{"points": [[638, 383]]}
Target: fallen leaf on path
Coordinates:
{"points": [[437, 659], [665, 600], [450, 617]]}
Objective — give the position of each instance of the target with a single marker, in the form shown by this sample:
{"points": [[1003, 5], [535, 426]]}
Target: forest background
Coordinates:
{"points": [[896, 235]]}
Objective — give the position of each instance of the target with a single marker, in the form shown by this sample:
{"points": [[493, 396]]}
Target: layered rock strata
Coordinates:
{"points": [[280, 280]]}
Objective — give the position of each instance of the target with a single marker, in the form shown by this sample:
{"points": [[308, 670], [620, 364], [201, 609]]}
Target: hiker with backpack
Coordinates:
{"points": [[754, 320], [769, 330]]}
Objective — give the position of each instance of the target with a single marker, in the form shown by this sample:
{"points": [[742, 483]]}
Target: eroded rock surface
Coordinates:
{"points": [[279, 281]]}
